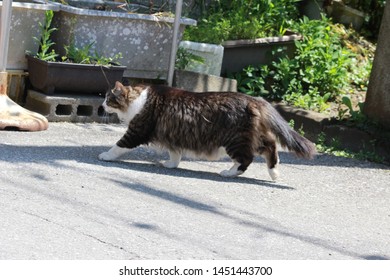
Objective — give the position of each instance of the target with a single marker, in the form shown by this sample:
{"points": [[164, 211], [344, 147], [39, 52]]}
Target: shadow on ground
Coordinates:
{"points": [[89, 154]]}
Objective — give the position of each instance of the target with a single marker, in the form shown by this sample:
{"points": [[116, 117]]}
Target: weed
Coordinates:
{"points": [[355, 115], [185, 57], [320, 71], [45, 43], [84, 55], [334, 148], [242, 19]]}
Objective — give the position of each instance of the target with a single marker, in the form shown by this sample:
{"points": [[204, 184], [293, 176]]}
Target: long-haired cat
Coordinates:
{"points": [[203, 124]]}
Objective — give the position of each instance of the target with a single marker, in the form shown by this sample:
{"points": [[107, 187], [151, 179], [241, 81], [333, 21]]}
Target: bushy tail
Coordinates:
{"points": [[288, 138]]}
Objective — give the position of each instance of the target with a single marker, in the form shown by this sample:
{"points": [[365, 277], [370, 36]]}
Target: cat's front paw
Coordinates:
{"points": [[106, 156], [230, 173], [170, 164]]}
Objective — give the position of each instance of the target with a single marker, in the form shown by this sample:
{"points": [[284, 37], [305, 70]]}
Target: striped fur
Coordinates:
{"points": [[203, 124]]}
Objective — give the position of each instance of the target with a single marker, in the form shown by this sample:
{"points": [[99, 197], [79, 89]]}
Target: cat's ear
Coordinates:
{"points": [[118, 86]]}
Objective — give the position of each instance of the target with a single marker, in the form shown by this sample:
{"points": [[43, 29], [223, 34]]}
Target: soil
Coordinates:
{"points": [[365, 50], [337, 106]]}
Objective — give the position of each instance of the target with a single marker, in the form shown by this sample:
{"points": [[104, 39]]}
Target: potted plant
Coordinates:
{"points": [[79, 70], [25, 20], [144, 39], [248, 30]]}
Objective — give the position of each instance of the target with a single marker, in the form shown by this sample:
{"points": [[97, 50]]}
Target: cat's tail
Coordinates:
{"points": [[289, 138]]}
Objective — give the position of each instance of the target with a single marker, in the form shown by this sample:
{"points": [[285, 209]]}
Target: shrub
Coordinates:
{"points": [[243, 19], [321, 69]]}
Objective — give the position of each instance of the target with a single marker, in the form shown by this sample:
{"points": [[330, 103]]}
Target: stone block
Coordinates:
{"points": [[310, 122], [198, 82]]}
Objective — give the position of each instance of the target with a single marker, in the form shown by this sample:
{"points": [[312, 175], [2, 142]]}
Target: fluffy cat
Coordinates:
{"points": [[203, 124]]}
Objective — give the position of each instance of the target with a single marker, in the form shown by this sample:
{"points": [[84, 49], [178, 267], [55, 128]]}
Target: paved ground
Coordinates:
{"points": [[58, 201]]}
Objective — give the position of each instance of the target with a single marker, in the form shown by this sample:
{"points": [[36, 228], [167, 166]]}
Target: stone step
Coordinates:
{"points": [[69, 107]]}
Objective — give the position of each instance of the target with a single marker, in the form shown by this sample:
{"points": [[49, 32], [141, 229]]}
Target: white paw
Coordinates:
{"points": [[274, 173], [230, 173], [106, 156], [170, 164]]}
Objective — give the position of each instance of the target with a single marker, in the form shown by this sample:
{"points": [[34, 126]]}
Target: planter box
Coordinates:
{"points": [[239, 54], [311, 8], [212, 55], [24, 26], [346, 15], [50, 77], [144, 40]]}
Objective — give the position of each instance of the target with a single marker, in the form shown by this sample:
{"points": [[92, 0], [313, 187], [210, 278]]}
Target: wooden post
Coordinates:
{"points": [[3, 83]]}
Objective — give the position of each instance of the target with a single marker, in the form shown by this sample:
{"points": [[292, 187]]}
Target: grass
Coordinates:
{"points": [[334, 148]]}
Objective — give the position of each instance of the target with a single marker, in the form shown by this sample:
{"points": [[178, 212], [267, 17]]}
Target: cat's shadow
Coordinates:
{"points": [[156, 168]]}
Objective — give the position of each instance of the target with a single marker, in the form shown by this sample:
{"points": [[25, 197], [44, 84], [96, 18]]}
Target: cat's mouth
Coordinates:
{"points": [[107, 109]]}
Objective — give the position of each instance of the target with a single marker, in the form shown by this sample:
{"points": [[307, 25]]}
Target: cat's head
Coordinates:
{"points": [[119, 98]]}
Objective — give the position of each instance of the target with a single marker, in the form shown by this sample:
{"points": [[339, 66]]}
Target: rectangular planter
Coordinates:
{"points": [[50, 77], [239, 54], [144, 40], [25, 20], [346, 15]]}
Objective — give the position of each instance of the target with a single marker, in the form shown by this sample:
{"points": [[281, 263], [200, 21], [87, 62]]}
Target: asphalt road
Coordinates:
{"points": [[58, 201]]}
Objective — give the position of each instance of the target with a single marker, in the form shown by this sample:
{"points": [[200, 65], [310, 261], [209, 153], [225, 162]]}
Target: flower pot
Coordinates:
{"points": [[50, 77], [239, 54], [25, 20], [144, 40]]}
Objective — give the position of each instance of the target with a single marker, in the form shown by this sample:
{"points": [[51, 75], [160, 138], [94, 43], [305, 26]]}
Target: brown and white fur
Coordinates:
{"points": [[203, 124]]}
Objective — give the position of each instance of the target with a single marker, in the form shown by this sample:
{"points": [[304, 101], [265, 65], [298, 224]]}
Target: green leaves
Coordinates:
{"points": [[78, 55], [74, 54], [85, 55], [45, 43], [238, 19], [185, 57], [356, 115], [321, 70]]}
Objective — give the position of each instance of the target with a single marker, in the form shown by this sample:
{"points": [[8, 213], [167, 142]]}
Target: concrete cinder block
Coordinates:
{"points": [[69, 107]]}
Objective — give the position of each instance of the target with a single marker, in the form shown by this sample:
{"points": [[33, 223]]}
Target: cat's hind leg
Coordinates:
{"points": [[174, 159], [270, 153], [114, 153]]}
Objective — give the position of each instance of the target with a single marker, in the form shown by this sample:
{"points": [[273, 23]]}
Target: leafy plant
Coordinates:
{"points": [[45, 43], [334, 148], [78, 55], [185, 57], [73, 54], [242, 19], [320, 71], [85, 55], [356, 115]]}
